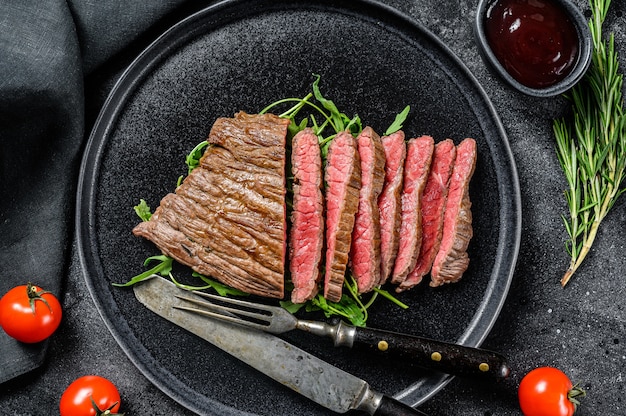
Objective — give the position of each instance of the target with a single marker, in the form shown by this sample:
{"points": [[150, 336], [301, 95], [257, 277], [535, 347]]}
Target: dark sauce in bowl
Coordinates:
{"points": [[534, 40]]}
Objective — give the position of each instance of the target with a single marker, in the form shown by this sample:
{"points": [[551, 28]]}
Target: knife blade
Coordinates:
{"points": [[302, 372]]}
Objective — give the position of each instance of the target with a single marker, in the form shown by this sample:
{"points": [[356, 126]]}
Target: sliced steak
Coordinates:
{"points": [[416, 173], [343, 181], [390, 202], [227, 219], [433, 205], [365, 248], [452, 260], [306, 236]]}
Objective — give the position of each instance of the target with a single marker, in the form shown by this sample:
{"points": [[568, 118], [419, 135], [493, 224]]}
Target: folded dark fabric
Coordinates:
{"points": [[46, 51], [41, 129]]}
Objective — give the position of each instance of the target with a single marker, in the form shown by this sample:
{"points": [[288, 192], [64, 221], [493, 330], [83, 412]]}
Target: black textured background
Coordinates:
{"points": [[579, 329]]}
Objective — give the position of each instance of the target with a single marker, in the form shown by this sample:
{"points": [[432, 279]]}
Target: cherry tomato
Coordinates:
{"points": [[547, 391], [29, 313], [90, 396]]}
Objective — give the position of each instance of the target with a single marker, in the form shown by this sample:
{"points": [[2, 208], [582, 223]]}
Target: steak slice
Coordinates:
{"points": [[306, 237], [343, 181], [227, 219], [416, 172], [433, 205], [365, 248], [390, 202], [452, 259]]}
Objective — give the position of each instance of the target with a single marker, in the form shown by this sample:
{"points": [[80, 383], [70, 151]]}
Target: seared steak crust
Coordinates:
{"points": [[306, 238], [227, 218], [343, 182], [365, 249], [433, 205], [452, 259], [390, 202]]}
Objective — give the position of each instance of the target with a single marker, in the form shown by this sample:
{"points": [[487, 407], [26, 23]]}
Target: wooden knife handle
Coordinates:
{"points": [[433, 355], [392, 407]]}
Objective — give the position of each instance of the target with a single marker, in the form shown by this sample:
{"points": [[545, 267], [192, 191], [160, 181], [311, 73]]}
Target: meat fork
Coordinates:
{"points": [[426, 353]]}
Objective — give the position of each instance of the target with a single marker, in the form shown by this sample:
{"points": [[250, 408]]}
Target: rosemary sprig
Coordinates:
{"points": [[593, 153]]}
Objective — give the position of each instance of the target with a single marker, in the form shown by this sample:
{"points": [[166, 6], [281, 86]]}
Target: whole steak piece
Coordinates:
{"points": [[343, 182], [390, 202], [452, 259], [306, 238], [416, 173], [433, 206], [227, 219], [365, 249]]}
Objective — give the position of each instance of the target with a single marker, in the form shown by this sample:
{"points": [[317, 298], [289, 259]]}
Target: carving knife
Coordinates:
{"points": [[302, 372]]}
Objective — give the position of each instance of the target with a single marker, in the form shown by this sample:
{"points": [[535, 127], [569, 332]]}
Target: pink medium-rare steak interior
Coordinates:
{"points": [[227, 219], [390, 202], [343, 182], [365, 249], [416, 172], [452, 259], [433, 206], [307, 218]]}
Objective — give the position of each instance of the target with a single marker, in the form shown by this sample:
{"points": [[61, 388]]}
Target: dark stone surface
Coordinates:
{"points": [[580, 329]]}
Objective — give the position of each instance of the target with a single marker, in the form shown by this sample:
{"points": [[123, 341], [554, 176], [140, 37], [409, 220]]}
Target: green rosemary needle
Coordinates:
{"points": [[592, 152]]}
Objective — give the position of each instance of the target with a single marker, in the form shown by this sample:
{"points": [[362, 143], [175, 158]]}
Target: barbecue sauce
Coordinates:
{"points": [[534, 40]]}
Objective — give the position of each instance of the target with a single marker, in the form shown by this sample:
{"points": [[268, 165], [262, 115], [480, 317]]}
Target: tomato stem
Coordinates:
{"points": [[575, 393], [107, 412], [35, 295]]}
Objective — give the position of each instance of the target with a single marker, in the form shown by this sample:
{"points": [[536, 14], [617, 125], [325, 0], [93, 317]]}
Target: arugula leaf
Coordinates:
{"points": [[220, 288], [397, 123], [143, 210], [193, 158], [164, 268], [384, 293], [347, 307], [337, 117], [290, 306]]}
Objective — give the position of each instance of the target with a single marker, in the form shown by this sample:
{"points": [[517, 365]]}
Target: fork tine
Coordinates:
{"points": [[261, 316], [238, 302], [261, 320], [225, 318]]}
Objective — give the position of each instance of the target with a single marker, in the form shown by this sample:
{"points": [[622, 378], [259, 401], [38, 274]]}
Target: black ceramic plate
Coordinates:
{"points": [[242, 55]]}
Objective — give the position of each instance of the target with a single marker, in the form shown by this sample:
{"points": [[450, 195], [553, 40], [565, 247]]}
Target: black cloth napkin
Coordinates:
{"points": [[51, 53]]}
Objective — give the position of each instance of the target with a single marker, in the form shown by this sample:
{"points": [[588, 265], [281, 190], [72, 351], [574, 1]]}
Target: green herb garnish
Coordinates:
{"points": [[397, 123], [592, 153], [163, 267], [220, 288], [143, 210]]}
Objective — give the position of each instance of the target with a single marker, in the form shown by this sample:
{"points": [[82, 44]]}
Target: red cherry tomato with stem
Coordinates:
{"points": [[90, 396], [29, 314], [547, 391]]}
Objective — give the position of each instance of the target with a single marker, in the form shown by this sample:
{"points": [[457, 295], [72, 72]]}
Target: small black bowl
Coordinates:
{"points": [[585, 48]]}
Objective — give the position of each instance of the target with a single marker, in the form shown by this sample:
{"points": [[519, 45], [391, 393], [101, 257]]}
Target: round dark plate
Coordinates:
{"points": [[242, 55]]}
